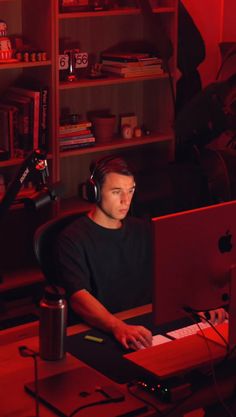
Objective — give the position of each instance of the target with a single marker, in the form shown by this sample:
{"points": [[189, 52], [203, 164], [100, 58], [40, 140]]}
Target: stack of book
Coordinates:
{"points": [[24, 124], [74, 136], [131, 64]]}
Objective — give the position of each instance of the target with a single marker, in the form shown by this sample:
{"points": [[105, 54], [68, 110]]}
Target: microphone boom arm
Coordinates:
{"points": [[35, 162]]}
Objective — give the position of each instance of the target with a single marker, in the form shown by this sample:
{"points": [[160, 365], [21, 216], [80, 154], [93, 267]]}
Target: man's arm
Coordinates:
{"points": [[96, 315]]}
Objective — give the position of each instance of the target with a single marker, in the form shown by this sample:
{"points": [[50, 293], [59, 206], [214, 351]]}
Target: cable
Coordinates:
{"points": [[215, 329], [191, 313], [78, 409], [112, 395], [213, 373], [26, 352], [230, 351]]}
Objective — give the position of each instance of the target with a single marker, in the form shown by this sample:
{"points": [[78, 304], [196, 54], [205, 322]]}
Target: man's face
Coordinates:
{"points": [[116, 195]]}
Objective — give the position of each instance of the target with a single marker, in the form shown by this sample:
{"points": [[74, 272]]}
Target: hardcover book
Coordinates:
{"points": [[24, 125], [137, 63], [75, 140], [133, 71], [78, 133], [12, 112], [125, 57], [35, 96], [4, 135], [70, 128], [43, 119]]}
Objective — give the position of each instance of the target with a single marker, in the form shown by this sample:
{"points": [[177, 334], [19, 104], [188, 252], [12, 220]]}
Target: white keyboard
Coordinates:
{"points": [[159, 339], [188, 330], [192, 329]]}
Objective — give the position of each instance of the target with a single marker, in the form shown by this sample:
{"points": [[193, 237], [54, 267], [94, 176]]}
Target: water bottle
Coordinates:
{"points": [[52, 324]]}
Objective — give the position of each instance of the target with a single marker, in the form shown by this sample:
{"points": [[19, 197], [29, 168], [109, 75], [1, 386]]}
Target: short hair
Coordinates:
{"points": [[107, 165]]}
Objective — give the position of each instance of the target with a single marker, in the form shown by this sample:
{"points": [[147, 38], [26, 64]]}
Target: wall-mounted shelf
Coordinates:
{"points": [[109, 80], [121, 144], [109, 13]]}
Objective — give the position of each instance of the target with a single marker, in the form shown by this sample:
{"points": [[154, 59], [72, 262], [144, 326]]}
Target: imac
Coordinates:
{"points": [[194, 256]]}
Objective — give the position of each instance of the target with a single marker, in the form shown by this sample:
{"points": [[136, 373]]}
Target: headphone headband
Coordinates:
{"points": [[93, 191], [98, 172]]}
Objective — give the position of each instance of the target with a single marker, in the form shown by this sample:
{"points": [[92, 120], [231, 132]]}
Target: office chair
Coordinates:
{"points": [[44, 243]]}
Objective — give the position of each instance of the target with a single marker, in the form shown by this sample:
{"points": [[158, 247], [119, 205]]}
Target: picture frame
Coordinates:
{"points": [[130, 119]]}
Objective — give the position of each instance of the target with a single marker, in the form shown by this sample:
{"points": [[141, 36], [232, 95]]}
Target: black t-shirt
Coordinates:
{"points": [[112, 264]]}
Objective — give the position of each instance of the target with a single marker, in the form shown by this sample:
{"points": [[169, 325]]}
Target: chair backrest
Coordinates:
{"points": [[44, 243]]}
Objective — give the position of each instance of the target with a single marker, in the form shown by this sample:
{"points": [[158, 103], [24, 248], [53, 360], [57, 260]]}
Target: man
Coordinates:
{"points": [[105, 257]]}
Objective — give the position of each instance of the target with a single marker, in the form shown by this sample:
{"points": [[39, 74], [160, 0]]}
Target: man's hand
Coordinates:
{"points": [[96, 315], [134, 337], [217, 316]]}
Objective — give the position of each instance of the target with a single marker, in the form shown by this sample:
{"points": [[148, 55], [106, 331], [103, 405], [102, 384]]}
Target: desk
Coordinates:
{"points": [[16, 371]]}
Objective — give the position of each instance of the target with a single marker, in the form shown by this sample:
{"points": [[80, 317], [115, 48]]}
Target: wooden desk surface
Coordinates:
{"points": [[15, 371]]}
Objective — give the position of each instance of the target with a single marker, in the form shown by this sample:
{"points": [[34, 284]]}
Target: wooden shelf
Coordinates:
{"points": [[103, 13], [20, 64], [120, 144], [17, 161], [21, 278], [108, 80], [108, 13], [164, 10]]}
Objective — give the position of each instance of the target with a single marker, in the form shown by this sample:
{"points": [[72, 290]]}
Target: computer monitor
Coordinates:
{"points": [[194, 252]]}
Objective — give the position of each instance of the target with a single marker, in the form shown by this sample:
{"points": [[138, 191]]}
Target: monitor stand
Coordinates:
{"points": [[226, 332], [232, 308]]}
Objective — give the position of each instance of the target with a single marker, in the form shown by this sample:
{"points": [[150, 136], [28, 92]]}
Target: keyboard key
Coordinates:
{"points": [[159, 339], [188, 330]]}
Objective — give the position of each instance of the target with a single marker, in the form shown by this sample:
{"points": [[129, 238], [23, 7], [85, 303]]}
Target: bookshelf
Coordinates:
{"points": [[148, 97], [45, 27]]}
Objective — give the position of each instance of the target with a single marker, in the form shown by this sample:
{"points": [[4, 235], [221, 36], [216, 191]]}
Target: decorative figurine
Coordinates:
{"points": [[127, 131], [5, 44]]}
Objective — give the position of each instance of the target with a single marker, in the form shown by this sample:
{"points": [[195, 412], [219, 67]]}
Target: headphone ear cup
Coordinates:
{"points": [[92, 191]]}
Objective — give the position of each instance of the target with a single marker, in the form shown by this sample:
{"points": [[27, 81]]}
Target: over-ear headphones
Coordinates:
{"points": [[92, 186]]}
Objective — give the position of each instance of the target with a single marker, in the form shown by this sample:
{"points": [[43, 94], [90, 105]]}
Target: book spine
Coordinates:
{"points": [[34, 95], [124, 70], [4, 133], [23, 120], [74, 127], [13, 129], [43, 119], [141, 74], [76, 140], [76, 146], [139, 63], [14, 133], [125, 57], [75, 133], [75, 137]]}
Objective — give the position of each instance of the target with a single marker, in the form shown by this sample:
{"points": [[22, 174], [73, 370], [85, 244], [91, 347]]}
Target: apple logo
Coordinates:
{"points": [[224, 243]]}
